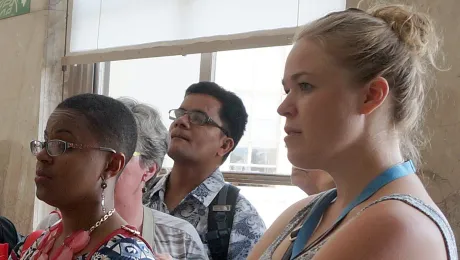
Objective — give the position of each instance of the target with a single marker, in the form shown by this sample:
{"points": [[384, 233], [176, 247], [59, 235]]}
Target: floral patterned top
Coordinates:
{"points": [[118, 246], [248, 226]]}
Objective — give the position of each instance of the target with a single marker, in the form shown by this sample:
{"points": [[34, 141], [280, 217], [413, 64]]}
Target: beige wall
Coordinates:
{"points": [[31, 83], [441, 160]]}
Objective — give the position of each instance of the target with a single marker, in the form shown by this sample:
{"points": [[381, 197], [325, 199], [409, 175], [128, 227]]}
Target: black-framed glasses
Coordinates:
{"points": [[195, 117], [57, 147]]}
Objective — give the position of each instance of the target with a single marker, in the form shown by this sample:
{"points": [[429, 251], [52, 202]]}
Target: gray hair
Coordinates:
{"points": [[153, 136]]}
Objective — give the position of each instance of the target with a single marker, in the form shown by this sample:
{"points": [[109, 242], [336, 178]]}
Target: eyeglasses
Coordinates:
{"points": [[57, 147], [195, 117]]}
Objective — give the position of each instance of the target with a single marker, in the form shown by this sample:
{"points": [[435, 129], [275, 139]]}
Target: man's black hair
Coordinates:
{"points": [[111, 121], [232, 112]]}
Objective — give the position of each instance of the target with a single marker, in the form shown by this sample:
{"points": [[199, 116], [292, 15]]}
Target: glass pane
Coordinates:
{"points": [[271, 201], [121, 23], [257, 69], [85, 25], [160, 82], [310, 10], [264, 156], [255, 75], [141, 21], [265, 132], [265, 106], [239, 155]]}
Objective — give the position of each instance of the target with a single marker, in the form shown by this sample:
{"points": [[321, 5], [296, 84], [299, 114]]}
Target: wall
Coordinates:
{"points": [[31, 77], [441, 159]]}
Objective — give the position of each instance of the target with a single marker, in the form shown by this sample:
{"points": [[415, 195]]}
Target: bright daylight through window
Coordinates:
{"points": [[254, 75]]}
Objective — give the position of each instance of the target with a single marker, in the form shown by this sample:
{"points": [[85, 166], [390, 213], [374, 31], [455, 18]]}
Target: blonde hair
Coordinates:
{"points": [[392, 41]]}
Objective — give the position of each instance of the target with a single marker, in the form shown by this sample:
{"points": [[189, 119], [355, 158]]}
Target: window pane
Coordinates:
{"points": [[85, 25], [271, 201], [265, 156], [239, 155], [160, 82], [265, 132], [255, 75], [264, 106], [257, 69], [121, 23]]}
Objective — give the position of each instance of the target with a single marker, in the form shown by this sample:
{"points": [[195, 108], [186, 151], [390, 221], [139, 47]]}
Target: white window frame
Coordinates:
{"points": [[206, 46]]}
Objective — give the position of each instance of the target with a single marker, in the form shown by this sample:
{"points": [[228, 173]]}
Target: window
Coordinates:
{"points": [[160, 82], [255, 75], [271, 201]]}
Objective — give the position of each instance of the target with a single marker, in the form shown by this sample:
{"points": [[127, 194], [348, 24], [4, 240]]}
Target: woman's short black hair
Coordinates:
{"points": [[111, 121]]}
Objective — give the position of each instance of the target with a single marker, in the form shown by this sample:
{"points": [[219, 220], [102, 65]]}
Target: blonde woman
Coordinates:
{"points": [[355, 83]]}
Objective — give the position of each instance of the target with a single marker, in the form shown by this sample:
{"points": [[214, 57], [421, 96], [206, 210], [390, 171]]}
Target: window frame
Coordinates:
{"points": [[97, 62]]}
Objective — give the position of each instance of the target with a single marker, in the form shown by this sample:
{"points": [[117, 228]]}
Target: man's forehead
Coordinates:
{"points": [[200, 102]]}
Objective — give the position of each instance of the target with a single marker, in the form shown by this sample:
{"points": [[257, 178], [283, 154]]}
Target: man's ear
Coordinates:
{"points": [[226, 147], [115, 165], [375, 93]]}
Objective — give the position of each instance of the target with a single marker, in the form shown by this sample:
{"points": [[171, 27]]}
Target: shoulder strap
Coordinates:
{"points": [[317, 203], [438, 218], [30, 240], [148, 226], [220, 221]]}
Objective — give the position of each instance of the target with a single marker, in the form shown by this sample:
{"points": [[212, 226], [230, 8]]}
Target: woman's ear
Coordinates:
{"points": [[115, 165], [375, 93], [150, 171]]}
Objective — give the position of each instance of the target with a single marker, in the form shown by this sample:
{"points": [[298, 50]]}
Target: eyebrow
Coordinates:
{"points": [[61, 130], [194, 110], [296, 76]]}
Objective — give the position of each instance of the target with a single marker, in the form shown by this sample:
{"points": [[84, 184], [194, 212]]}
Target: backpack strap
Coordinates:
{"points": [[220, 221]]}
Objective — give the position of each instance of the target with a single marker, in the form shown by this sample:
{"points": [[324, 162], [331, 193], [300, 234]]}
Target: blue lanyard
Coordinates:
{"points": [[376, 184]]}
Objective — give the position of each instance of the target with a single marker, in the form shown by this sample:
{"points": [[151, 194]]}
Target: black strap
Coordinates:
{"points": [[220, 221]]}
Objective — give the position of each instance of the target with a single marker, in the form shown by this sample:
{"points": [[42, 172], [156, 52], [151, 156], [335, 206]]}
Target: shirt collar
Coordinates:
{"points": [[209, 188], [204, 193]]}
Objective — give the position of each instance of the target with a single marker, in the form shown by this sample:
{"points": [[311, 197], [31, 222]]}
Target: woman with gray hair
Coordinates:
{"points": [[165, 233]]}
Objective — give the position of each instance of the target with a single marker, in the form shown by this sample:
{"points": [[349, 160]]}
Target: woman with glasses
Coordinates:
{"points": [[88, 141], [355, 85]]}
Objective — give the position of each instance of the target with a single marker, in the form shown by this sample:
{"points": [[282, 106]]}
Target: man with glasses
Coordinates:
{"points": [[206, 128]]}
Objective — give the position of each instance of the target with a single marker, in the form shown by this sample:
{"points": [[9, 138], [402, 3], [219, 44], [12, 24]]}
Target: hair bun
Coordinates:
{"points": [[415, 29]]}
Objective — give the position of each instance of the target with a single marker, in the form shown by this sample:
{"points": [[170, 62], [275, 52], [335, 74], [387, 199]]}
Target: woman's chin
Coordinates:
{"points": [[43, 195], [300, 159]]}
